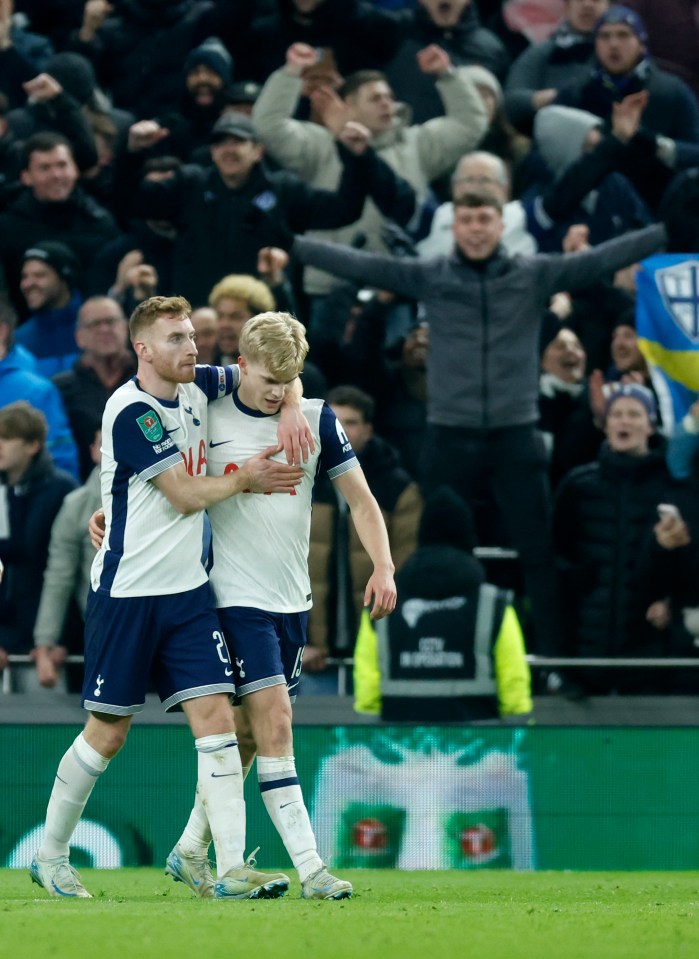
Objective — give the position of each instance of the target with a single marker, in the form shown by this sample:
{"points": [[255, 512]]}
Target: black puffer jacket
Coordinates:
{"points": [[603, 514]]}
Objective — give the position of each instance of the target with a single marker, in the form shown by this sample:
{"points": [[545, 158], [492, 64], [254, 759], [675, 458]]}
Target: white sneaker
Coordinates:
{"points": [[245, 882], [193, 871], [321, 885], [58, 877]]}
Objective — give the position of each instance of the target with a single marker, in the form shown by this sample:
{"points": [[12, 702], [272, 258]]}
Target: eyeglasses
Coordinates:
{"points": [[101, 321]]}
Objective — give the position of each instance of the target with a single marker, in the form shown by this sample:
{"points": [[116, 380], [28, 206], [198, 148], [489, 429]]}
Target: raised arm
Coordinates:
{"points": [[408, 277]]}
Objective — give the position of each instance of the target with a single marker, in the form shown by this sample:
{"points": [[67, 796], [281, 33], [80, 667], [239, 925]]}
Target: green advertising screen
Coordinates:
{"points": [[412, 798]]}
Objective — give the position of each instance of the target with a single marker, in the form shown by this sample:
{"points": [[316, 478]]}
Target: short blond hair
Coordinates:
{"points": [[278, 341], [242, 286], [150, 310]]}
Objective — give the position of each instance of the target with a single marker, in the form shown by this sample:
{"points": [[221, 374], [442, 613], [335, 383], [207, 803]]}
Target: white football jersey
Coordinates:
{"points": [[149, 548], [260, 541]]}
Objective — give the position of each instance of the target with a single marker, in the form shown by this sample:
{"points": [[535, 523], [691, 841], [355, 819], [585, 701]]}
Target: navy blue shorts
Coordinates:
{"points": [[266, 648], [174, 642]]}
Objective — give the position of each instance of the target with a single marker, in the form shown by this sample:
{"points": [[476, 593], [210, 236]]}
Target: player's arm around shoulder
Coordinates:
{"points": [[260, 474], [371, 529]]}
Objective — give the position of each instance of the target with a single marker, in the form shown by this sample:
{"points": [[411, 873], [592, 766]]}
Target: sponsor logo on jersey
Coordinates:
{"points": [[213, 445], [151, 427]]}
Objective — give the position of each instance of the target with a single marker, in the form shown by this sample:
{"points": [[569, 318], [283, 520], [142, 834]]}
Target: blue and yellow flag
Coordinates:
{"points": [[667, 323]]}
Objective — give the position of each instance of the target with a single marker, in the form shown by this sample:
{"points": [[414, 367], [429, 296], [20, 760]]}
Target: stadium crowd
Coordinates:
{"points": [[475, 183]]}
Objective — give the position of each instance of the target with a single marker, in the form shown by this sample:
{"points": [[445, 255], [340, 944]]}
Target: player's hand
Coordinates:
{"points": [[433, 60], [96, 527], [381, 588], [145, 134], [299, 57], [262, 474], [42, 88], [295, 434]]}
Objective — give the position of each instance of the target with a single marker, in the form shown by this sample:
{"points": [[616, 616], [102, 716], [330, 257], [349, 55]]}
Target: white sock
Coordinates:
{"points": [[196, 838], [283, 799], [220, 789], [75, 779]]}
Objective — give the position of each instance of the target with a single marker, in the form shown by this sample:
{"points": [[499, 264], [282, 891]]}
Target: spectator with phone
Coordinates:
{"points": [[603, 515]]}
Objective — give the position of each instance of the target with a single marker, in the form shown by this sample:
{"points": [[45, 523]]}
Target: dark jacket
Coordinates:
{"points": [[138, 53], [602, 514], [22, 61], [466, 43], [359, 35], [482, 366], [80, 222], [221, 229], [33, 505], [61, 115]]}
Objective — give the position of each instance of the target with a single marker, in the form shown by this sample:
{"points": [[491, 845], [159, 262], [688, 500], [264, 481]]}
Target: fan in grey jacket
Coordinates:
{"points": [[484, 310], [420, 153]]}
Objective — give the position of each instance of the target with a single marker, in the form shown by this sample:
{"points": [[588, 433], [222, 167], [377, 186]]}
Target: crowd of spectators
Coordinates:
{"points": [[477, 182]]}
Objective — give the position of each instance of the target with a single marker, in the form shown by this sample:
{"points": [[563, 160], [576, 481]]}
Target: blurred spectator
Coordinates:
{"points": [[207, 78], [51, 107], [242, 96], [31, 492], [351, 34], [623, 66], [521, 23], [51, 206], [106, 361], [338, 565], [673, 37], [463, 632], [146, 241], [420, 152], [480, 170], [47, 283], [226, 213], [481, 303], [67, 576], [19, 380], [603, 513], [205, 323], [683, 446], [565, 417], [22, 54], [138, 47], [453, 25], [238, 297], [542, 69], [562, 135]]}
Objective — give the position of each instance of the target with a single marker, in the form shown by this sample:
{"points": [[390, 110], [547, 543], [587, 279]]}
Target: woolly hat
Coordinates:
{"points": [[634, 391], [624, 15], [560, 134], [211, 53], [483, 78], [75, 73], [56, 255]]}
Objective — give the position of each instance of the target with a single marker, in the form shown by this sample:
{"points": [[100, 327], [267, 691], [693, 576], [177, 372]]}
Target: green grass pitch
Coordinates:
{"points": [[141, 914]]}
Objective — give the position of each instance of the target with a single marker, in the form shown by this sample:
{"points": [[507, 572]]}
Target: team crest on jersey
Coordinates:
{"points": [[151, 426]]}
